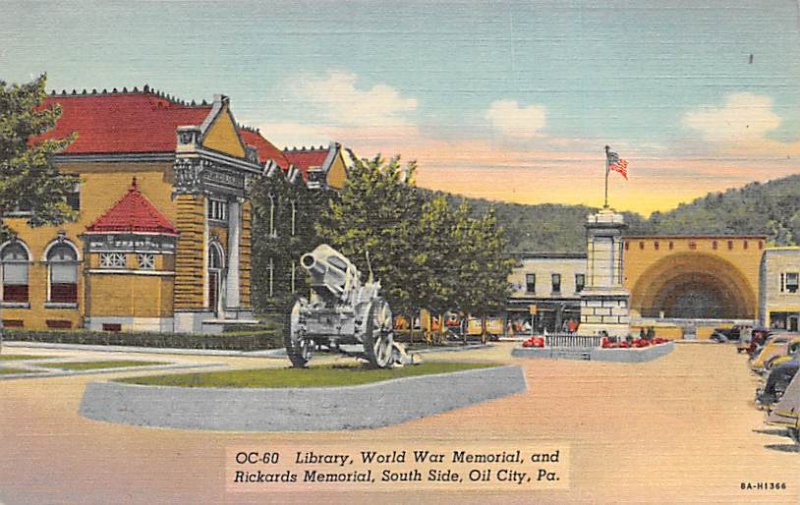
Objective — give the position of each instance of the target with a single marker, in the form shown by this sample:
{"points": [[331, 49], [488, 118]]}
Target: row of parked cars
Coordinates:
{"points": [[775, 356]]}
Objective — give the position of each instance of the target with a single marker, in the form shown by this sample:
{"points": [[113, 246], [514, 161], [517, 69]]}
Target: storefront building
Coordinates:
{"points": [[545, 292], [779, 291]]}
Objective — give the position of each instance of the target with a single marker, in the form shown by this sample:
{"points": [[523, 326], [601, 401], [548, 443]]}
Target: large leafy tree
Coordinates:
{"points": [[29, 178], [376, 215], [285, 213], [485, 267], [440, 257], [426, 253]]}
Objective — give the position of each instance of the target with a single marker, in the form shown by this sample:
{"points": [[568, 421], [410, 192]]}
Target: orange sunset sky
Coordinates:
{"points": [[510, 100]]}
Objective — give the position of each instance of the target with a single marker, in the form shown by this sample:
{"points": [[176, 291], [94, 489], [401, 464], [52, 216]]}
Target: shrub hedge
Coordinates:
{"points": [[237, 341]]}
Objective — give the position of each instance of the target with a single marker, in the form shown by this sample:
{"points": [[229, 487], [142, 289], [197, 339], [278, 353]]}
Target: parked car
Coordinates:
{"points": [[786, 413], [737, 332], [777, 345], [778, 380]]}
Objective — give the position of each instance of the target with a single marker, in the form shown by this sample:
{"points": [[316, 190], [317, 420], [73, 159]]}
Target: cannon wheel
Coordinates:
{"points": [[378, 337], [297, 348]]}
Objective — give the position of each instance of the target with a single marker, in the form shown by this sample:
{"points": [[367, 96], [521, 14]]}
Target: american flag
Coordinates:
{"points": [[618, 165]]}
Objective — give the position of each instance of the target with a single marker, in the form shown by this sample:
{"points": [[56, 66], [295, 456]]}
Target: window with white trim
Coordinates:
{"points": [[112, 260], [580, 282], [146, 261], [62, 260], [217, 209], [530, 283], [294, 219], [556, 281], [74, 197], [271, 269], [14, 258], [792, 282], [273, 211]]}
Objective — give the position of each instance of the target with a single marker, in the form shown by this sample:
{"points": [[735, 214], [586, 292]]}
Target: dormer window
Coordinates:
{"points": [[188, 135], [251, 154]]}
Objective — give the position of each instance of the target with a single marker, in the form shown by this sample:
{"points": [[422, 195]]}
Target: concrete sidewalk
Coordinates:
{"points": [[267, 353]]}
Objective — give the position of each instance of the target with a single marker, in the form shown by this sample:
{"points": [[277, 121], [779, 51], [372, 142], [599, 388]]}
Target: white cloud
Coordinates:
{"points": [[338, 99], [745, 117], [516, 122]]}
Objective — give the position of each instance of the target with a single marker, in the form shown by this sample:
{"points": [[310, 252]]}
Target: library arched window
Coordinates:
{"points": [[62, 277], [14, 261]]}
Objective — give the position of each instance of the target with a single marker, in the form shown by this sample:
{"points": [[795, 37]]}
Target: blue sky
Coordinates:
{"points": [[506, 100]]}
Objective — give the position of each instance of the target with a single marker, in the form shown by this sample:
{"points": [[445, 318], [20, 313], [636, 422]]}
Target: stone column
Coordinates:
{"points": [[234, 234], [604, 300]]}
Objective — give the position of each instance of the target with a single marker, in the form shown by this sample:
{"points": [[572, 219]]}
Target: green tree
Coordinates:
{"points": [[285, 213], [436, 258], [426, 253], [377, 213], [29, 178], [485, 266]]}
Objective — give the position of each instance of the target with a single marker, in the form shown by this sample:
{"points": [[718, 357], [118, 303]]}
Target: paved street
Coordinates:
{"points": [[679, 429]]}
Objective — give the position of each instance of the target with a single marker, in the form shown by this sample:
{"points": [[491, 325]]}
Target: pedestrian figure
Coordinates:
{"points": [[572, 326]]}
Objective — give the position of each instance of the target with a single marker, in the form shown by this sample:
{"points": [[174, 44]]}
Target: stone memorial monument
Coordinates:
{"points": [[604, 300]]}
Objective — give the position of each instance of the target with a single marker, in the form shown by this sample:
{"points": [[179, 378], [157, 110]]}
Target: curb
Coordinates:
{"points": [[46, 373], [279, 353], [298, 409], [269, 353]]}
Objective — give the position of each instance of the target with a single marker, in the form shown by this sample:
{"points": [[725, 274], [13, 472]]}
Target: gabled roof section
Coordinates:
{"points": [[133, 213], [311, 158], [220, 132], [123, 122], [266, 150]]}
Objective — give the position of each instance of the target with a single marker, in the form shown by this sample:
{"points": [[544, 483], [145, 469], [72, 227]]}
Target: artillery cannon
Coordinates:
{"points": [[339, 311]]}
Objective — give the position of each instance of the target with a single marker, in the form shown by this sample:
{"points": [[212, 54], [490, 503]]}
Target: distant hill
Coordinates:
{"points": [[772, 209], [541, 228]]}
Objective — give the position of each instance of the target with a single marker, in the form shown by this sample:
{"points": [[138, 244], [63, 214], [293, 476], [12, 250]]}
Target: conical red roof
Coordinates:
{"points": [[134, 213]]}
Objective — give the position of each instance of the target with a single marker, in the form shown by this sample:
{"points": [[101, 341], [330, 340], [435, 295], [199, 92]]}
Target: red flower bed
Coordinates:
{"points": [[534, 342], [636, 343]]}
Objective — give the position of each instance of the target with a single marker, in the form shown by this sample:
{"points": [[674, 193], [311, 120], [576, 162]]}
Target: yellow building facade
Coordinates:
{"points": [[681, 284], [162, 239], [779, 295]]}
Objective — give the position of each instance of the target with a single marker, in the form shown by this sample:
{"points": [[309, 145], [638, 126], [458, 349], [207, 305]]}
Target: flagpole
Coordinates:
{"points": [[605, 203]]}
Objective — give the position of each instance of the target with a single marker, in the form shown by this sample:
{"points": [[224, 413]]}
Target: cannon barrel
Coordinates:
{"points": [[310, 263], [331, 273]]}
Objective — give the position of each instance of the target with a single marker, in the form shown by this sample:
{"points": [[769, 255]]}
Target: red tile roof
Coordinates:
{"points": [[133, 213], [137, 122], [266, 150], [304, 159]]}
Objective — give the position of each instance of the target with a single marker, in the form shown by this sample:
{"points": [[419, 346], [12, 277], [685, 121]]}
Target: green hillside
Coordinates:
{"points": [[772, 208], [541, 228]]}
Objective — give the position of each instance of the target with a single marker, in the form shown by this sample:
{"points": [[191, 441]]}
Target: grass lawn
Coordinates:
{"points": [[14, 370], [10, 357], [320, 376], [94, 365]]}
